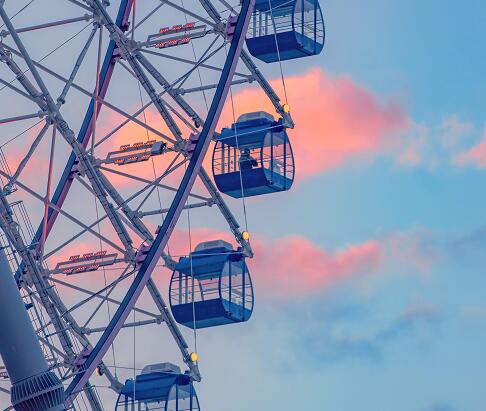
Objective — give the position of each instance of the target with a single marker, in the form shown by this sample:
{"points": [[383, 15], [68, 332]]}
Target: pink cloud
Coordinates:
{"points": [[412, 151], [336, 119], [293, 265], [475, 156], [288, 265]]}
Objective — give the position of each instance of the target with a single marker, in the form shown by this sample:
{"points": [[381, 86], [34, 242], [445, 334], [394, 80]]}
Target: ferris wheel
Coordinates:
{"points": [[111, 151]]}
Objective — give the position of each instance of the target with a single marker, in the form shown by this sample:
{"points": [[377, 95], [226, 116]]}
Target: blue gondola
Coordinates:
{"points": [[211, 287], [287, 29], [253, 157], [159, 387]]}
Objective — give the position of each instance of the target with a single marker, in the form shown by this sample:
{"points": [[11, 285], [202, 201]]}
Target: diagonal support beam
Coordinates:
{"points": [[27, 157]]}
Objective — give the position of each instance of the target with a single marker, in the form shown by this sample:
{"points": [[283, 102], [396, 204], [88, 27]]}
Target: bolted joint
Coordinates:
{"points": [[132, 45], [8, 189], [85, 330], [220, 28], [97, 20], [51, 117], [287, 119], [196, 121], [230, 27], [117, 37], [191, 143], [78, 362], [65, 130]]}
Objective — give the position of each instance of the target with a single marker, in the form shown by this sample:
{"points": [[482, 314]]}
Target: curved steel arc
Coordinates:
{"points": [[66, 179], [176, 207]]}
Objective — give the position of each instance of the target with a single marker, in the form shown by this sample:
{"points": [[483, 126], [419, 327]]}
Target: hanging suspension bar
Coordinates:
{"points": [[86, 262], [178, 34], [135, 153]]}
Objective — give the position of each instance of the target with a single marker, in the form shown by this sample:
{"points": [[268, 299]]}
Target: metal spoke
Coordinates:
{"points": [[39, 114], [86, 17]]}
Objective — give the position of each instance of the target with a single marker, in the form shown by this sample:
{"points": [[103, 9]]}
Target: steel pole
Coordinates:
{"points": [[34, 386]]}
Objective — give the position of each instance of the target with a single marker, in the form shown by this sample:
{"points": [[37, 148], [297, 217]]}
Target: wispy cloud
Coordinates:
{"points": [[326, 332], [474, 156]]}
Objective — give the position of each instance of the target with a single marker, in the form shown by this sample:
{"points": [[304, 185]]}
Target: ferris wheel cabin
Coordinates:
{"points": [[159, 387], [285, 30], [211, 287], [253, 157]]}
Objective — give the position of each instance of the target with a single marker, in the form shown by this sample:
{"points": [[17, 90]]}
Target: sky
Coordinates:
{"points": [[369, 273], [403, 329]]}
